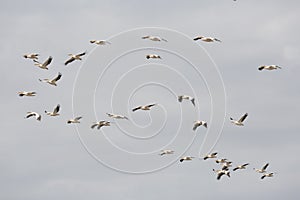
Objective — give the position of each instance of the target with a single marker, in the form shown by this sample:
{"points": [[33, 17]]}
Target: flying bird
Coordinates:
{"points": [[154, 38], [52, 81], [74, 121], [267, 175], [221, 172], [207, 39], [34, 114], [166, 151], [115, 116], [100, 42], [212, 155], [186, 158], [153, 56], [27, 94], [241, 167], [186, 97], [240, 121], [55, 111], [268, 67], [100, 124], [146, 107], [263, 169], [43, 65], [199, 123], [31, 56], [74, 57], [222, 160]]}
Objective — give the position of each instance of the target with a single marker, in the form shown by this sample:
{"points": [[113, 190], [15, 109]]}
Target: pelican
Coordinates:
{"points": [[227, 164], [31, 56], [212, 155], [186, 158], [166, 151], [186, 97], [207, 39], [268, 67], [199, 123], [241, 167], [116, 116], [55, 111], [154, 56], [267, 175], [100, 124], [34, 114], [43, 65], [75, 120], [222, 160], [52, 81], [146, 107], [263, 169], [27, 94], [221, 172], [74, 57], [100, 42], [240, 121], [154, 38]]}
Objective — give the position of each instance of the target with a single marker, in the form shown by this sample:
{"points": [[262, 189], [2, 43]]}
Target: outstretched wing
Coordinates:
{"points": [[193, 101], [195, 126], [78, 118], [265, 167], [94, 125], [69, 60], [57, 77], [243, 117], [135, 109], [197, 38], [150, 105], [81, 54], [180, 98], [48, 61], [56, 109]]}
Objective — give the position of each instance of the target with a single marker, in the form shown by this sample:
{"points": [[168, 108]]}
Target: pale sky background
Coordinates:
{"points": [[46, 160]]}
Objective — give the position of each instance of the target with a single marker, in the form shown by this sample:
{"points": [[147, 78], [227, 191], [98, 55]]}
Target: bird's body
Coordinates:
{"points": [[115, 116], [153, 56], [186, 158], [146, 107], [186, 97], [52, 81], [207, 39], [154, 38], [100, 124], [100, 42], [74, 121], [212, 155], [268, 67], [43, 65], [199, 123], [263, 169], [241, 167], [240, 121], [74, 57], [33, 56], [227, 164], [34, 114], [27, 94], [267, 175], [221, 172], [54, 112], [166, 151]]}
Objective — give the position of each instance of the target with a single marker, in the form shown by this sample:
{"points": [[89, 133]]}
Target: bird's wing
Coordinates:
{"points": [[214, 154], [180, 98], [94, 125], [261, 68], [195, 126], [78, 118], [48, 61], [56, 109], [110, 115], [243, 117], [244, 165], [235, 169], [81, 54], [216, 39], [220, 175], [197, 38], [57, 77], [205, 124], [69, 60], [265, 167], [263, 177], [30, 114], [137, 108], [150, 105], [193, 101]]}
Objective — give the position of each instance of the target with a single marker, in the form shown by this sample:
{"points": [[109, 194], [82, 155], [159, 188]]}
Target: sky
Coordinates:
{"points": [[53, 160]]}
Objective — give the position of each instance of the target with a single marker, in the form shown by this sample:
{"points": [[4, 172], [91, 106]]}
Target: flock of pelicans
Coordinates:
{"points": [[225, 163]]}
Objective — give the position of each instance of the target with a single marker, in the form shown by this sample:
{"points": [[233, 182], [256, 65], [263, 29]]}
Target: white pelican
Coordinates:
{"points": [[268, 67], [100, 42], [154, 56], [212, 155], [154, 38], [55, 111], [222, 160], [75, 120], [166, 151], [146, 107], [221, 172], [181, 97], [240, 121], [27, 94], [199, 123], [267, 175], [31, 56], [186, 158], [34, 114], [241, 167], [74, 57], [52, 81], [100, 124], [43, 65], [206, 39], [115, 116], [263, 169]]}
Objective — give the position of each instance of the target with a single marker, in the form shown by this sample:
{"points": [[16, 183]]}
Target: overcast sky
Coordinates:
{"points": [[53, 160]]}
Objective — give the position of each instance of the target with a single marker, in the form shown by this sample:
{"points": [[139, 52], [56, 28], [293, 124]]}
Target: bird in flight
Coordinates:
{"points": [[74, 121], [115, 116], [240, 121], [153, 56], [154, 38], [55, 111], [52, 81], [99, 42], [74, 57], [146, 107], [199, 123], [31, 56], [43, 65], [241, 167], [100, 124], [263, 169], [221, 172], [34, 114], [186, 97], [268, 67], [207, 39], [186, 158], [267, 175], [212, 155], [27, 94], [166, 151]]}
